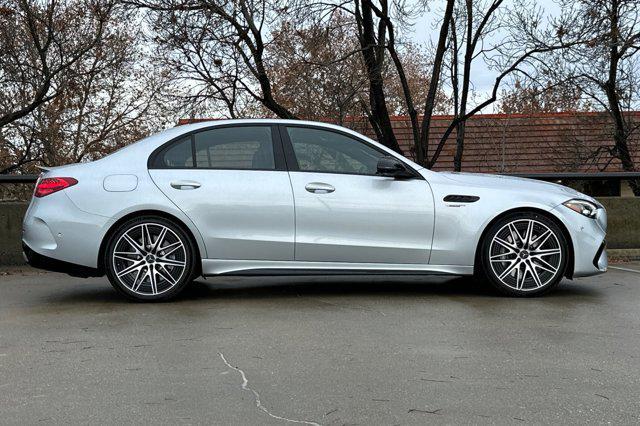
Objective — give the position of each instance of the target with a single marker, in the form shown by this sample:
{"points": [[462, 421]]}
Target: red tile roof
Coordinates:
{"points": [[520, 143]]}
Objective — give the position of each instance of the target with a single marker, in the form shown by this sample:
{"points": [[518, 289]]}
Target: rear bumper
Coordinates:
{"points": [[50, 264], [54, 228]]}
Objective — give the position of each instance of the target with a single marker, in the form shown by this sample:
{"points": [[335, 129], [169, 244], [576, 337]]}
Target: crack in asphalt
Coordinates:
{"points": [[256, 395]]}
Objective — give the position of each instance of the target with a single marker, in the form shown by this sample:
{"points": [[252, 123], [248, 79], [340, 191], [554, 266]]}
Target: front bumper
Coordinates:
{"points": [[600, 260], [588, 240]]}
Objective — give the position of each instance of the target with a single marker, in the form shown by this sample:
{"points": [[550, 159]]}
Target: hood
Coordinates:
{"points": [[513, 183]]}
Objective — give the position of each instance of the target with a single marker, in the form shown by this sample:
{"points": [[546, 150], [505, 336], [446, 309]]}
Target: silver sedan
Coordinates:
{"points": [[247, 197]]}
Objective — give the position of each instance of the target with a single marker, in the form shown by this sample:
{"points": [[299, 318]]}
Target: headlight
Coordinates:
{"points": [[584, 207]]}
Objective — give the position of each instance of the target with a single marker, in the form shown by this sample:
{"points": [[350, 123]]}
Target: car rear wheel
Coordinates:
{"points": [[524, 254], [150, 258]]}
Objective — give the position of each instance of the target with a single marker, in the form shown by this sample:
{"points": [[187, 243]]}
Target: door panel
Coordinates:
{"points": [[241, 214], [232, 183], [358, 218]]}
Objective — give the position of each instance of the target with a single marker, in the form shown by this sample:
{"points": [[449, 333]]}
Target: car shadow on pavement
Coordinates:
{"points": [[266, 287], [288, 287]]}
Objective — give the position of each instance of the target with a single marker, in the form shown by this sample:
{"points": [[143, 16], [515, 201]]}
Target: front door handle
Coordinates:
{"points": [[185, 184], [319, 188]]}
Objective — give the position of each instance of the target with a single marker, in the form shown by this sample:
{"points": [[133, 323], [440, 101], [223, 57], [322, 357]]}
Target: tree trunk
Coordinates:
{"points": [[422, 149], [466, 81], [413, 114], [620, 137], [622, 151], [373, 61], [457, 159], [621, 130]]}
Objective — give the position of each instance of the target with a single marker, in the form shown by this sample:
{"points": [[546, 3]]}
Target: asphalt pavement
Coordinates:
{"points": [[315, 350]]}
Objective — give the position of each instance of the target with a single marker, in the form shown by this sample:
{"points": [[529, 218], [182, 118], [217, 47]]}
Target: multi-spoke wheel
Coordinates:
{"points": [[524, 254], [149, 258]]}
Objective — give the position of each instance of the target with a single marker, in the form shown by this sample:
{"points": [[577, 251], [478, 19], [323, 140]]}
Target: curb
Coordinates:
{"points": [[624, 254]]}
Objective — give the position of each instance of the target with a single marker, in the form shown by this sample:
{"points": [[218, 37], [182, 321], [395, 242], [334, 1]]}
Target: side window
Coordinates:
{"points": [[320, 150], [246, 148], [179, 154]]}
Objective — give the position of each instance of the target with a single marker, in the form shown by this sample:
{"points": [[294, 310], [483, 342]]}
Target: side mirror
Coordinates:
{"points": [[392, 167]]}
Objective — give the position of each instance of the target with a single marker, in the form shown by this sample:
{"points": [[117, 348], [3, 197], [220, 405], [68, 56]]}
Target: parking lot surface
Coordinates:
{"points": [[340, 350]]}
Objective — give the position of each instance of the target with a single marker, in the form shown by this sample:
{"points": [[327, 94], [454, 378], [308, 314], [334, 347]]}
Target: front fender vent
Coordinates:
{"points": [[461, 198]]}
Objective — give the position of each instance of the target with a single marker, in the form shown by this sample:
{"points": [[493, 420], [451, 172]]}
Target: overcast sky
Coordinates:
{"points": [[427, 27]]}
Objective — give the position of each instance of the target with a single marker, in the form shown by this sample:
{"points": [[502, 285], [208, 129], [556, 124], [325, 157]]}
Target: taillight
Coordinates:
{"points": [[46, 186]]}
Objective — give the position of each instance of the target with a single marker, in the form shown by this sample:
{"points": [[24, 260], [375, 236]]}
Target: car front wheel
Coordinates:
{"points": [[149, 258], [524, 254]]}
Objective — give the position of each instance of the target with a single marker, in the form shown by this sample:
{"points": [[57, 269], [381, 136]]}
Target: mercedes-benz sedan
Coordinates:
{"points": [[247, 197]]}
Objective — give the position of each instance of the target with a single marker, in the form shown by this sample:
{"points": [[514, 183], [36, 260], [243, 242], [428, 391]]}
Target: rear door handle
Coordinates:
{"points": [[185, 184], [319, 188]]}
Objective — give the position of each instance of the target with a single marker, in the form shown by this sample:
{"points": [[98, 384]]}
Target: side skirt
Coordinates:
{"points": [[212, 267]]}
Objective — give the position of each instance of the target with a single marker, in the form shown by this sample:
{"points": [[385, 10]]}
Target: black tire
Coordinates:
{"points": [[164, 276], [529, 266]]}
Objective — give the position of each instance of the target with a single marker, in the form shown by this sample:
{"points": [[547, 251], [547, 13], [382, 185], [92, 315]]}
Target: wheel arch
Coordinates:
{"points": [[549, 215], [147, 212]]}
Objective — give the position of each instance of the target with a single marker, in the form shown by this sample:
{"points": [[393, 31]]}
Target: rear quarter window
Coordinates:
{"points": [[177, 155]]}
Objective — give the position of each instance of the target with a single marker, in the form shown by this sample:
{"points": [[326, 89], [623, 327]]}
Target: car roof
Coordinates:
{"points": [[222, 122], [146, 146], [175, 132]]}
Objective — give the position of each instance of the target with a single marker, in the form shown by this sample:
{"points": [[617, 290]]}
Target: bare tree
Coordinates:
{"points": [[423, 144], [605, 68], [377, 35], [221, 45], [526, 96], [472, 22], [317, 70], [109, 97], [372, 39], [526, 38], [275, 52], [387, 42], [40, 42]]}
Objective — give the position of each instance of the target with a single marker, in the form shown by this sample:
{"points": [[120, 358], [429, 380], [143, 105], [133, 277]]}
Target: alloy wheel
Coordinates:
{"points": [[149, 259], [525, 254]]}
